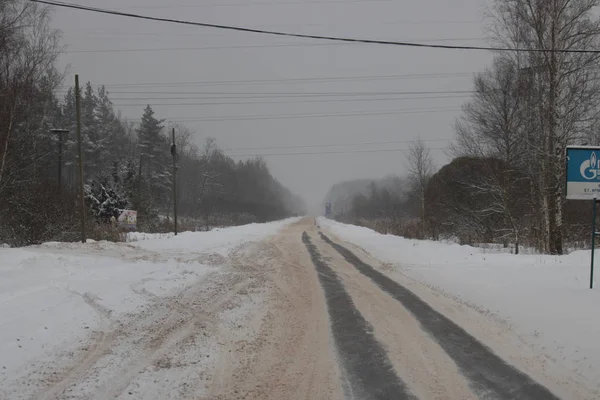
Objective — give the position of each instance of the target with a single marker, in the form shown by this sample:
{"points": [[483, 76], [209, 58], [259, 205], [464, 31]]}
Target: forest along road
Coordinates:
{"points": [[297, 316]]}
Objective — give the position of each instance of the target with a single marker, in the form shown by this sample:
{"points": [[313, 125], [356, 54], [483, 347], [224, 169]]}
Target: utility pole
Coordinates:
{"points": [[60, 151], [80, 150], [174, 154]]}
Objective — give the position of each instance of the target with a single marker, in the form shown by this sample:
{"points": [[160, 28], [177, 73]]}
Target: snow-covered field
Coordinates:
{"points": [[54, 295], [545, 299]]}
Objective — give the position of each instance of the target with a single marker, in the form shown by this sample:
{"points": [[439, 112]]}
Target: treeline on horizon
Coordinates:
{"points": [[127, 164]]}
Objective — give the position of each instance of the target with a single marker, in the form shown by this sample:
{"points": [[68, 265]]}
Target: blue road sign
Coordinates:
{"points": [[583, 183], [583, 172]]}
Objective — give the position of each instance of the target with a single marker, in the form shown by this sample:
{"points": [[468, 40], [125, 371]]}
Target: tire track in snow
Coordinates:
{"points": [[100, 346], [368, 370], [490, 376]]}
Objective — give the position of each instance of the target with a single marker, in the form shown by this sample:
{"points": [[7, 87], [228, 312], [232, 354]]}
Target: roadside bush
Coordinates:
{"points": [[26, 219]]}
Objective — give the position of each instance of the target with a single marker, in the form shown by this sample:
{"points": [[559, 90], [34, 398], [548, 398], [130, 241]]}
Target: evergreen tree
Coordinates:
{"points": [[154, 156], [112, 144], [105, 200], [91, 140]]}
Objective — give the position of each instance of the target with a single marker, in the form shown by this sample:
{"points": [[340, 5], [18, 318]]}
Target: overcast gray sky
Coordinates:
{"points": [[276, 77]]}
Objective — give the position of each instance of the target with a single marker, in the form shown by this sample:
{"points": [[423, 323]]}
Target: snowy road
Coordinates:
{"points": [[291, 311]]}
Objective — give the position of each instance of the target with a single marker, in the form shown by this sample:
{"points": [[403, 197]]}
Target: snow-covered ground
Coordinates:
{"points": [[545, 299], [54, 295]]}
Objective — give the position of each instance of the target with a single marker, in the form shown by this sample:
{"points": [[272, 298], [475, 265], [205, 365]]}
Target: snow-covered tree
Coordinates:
{"points": [[104, 201], [154, 156]]}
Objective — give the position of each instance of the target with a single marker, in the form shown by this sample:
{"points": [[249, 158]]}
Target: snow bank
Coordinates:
{"points": [[137, 236], [52, 296], [545, 298], [219, 240]]}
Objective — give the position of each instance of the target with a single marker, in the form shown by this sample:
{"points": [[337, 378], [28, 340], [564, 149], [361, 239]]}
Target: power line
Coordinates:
{"points": [[294, 101], [258, 3], [259, 95], [305, 36], [302, 25], [292, 80], [254, 46], [225, 47], [167, 35], [283, 102], [330, 152], [316, 115], [333, 145]]}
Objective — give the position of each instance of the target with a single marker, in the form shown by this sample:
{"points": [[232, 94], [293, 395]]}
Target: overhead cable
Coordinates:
{"points": [[326, 79], [329, 152], [262, 148], [306, 36]]}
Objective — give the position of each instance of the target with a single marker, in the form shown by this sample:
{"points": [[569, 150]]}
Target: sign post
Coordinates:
{"points": [[594, 233], [583, 183], [174, 155]]}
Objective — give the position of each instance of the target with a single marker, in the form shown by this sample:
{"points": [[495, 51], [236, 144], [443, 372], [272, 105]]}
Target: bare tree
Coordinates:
{"points": [[562, 91], [493, 122], [454, 208], [208, 181], [183, 139], [505, 190], [495, 128], [421, 168], [28, 49]]}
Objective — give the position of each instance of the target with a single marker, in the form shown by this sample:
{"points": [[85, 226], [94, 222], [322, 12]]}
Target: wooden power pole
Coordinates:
{"points": [[80, 150]]}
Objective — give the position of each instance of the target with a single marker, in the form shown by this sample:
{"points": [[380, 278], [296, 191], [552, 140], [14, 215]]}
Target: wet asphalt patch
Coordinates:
{"points": [[489, 376], [365, 364]]}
